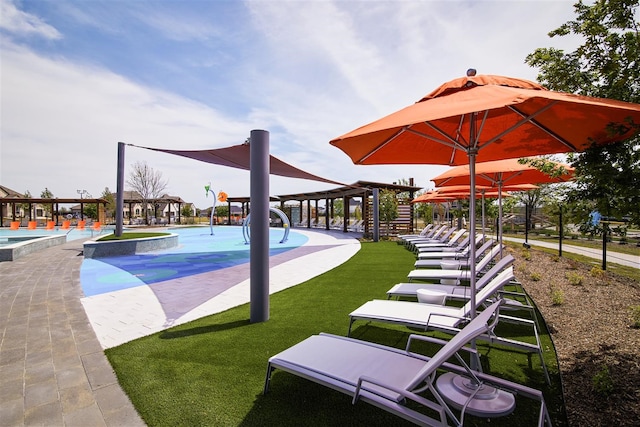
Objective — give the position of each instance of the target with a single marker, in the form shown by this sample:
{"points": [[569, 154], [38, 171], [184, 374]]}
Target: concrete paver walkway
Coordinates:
{"points": [[53, 370], [611, 256]]}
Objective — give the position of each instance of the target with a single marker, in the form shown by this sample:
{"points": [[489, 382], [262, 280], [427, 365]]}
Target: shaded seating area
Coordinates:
{"points": [[424, 390]]}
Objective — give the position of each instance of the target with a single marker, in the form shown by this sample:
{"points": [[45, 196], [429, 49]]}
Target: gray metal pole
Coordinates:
{"points": [[376, 215], [259, 250], [120, 190]]}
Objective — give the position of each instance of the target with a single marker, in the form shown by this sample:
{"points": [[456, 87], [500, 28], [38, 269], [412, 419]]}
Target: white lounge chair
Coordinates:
{"points": [[390, 378], [423, 233], [434, 233], [446, 318], [430, 274], [456, 292], [454, 253], [461, 263], [452, 241]]}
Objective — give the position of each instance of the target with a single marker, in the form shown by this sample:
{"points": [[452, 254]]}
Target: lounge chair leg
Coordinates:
{"points": [[267, 379]]}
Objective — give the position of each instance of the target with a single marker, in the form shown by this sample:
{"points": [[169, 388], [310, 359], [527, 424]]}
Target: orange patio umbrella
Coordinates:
{"points": [[502, 173], [487, 118]]}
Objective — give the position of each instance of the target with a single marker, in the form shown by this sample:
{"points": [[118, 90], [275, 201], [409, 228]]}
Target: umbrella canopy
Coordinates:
{"points": [[500, 173], [488, 118], [493, 117]]}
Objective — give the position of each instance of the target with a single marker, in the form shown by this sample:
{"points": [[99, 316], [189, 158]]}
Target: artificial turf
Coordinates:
{"points": [[211, 372]]}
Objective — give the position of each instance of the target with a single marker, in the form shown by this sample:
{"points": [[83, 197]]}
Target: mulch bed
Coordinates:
{"points": [[590, 316]]}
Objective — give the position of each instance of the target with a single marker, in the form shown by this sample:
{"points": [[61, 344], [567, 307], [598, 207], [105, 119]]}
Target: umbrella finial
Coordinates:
{"points": [[471, 72]]}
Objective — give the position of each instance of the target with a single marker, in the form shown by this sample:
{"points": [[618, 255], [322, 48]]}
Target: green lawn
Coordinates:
{"points": [[211, 372]]}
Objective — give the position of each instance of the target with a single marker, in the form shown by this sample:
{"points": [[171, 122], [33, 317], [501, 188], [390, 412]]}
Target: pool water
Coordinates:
{"points": [[198, 252], [72, 234]]}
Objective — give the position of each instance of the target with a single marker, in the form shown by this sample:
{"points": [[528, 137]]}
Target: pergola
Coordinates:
{"points": [[54, 203], [359, 189]]}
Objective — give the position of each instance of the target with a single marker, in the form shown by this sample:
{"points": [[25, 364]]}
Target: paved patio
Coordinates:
{"points": [[53, 370]]}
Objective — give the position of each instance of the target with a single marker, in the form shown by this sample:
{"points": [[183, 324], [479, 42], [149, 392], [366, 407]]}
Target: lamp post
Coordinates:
{"points": [[81, 192]]}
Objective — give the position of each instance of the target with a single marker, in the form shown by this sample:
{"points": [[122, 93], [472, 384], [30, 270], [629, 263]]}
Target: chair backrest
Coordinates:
{"points": [[457, 236], [51, 225], [487, 258], [489, 289], [478, 326], [467, 249], [81, 224], [66, 224], [445, 237], [14, 225], [97, 225], [482, 249], [31, 225], [493, 272], [426, 229]]}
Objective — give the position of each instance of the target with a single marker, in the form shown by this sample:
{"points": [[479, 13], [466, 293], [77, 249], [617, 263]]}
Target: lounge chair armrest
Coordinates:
{"points": [[404, 393], [434, 340], [445, 315], [517, 320]]}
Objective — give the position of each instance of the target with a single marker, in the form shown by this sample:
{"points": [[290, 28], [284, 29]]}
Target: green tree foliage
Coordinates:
{"points": [[605, 65], [46, 207], [388, 207], [24, 207], [90, 210], [110, 208], [187, 211]]}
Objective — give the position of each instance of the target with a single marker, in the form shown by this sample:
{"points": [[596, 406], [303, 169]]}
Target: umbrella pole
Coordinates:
{"points": [[483, 217], [500, 215], [475, 362]]}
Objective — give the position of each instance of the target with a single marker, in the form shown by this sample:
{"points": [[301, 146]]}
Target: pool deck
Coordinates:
{"points": [[53, 370]]}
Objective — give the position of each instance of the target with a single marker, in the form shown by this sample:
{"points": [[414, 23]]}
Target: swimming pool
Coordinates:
{"points": [[197, 252], [72, 233]]}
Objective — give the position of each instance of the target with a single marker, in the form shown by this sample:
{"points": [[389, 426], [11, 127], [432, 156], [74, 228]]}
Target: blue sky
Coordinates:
{"points": [[79, 76]]}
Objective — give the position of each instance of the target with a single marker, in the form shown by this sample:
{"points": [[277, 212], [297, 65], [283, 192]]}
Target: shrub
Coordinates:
{"points": [[635, 316], [526, 254], [557, 296], [574, 278], [602, 382], [598, 272], [536, 276]]}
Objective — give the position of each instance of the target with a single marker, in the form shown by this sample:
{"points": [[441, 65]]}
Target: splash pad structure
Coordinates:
{"points": [[285, 224]]}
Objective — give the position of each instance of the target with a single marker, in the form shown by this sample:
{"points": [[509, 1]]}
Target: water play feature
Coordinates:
{"points": [[285, 224]]}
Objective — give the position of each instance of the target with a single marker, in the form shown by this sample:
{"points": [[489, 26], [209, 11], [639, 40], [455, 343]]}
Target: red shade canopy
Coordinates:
{"points": [[238, 156]]}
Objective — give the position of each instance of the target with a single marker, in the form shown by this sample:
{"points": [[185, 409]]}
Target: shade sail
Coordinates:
{"points": [[238, 156]]}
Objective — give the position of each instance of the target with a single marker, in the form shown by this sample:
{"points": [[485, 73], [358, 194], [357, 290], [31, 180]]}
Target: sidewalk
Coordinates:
{"points": [[612, 257], [53, 370]]}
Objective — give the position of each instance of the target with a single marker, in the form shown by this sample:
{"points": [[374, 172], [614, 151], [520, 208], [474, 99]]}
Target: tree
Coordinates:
{"points": [[24, 207], [110, 208], [605, 65], [148, 183], [186, 211], [388, 207], [46, 194], [90, 211]]}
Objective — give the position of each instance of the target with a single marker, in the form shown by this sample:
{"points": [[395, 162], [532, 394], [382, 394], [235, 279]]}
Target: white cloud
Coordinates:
{"points": [[18, 22], [306, 71]]}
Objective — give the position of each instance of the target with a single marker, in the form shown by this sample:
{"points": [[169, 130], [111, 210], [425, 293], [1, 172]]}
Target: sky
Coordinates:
{"points": [[77, 77]]}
